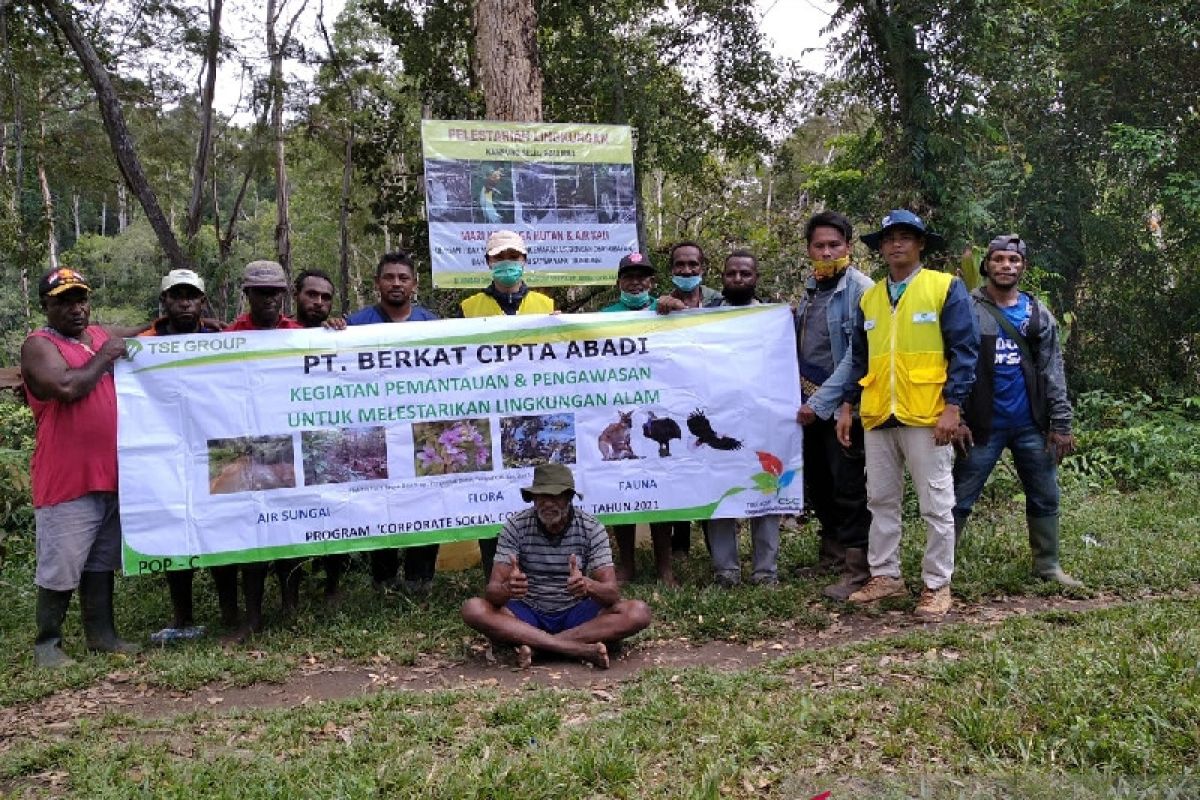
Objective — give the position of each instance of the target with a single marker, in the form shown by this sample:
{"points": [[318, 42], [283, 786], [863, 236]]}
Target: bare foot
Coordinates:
{"points": [[669, 579], [595, 654], [524, 656]]}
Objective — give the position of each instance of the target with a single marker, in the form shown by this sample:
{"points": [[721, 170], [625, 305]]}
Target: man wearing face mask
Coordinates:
{"points": [[835, 476], [506, 255], [635, 279], [739, 280], [687, 270]]}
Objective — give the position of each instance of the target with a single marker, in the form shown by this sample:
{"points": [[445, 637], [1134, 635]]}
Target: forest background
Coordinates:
{"points": [[1073, 123]]}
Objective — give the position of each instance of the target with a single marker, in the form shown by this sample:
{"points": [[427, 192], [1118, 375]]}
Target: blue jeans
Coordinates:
{"points": [[1035, 467]]}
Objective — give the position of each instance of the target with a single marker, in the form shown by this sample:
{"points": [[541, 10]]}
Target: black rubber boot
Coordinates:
{"points": [[51, 611], [96, 606], [855, 576], [831, 558], [179, 583]]}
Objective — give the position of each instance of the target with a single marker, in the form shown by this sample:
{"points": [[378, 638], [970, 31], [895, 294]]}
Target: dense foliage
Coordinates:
{"points": [[1075, 124]]}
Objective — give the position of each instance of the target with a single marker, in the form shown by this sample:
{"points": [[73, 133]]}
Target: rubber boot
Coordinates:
{"points": [[960, 527], [831, 558], [51, 611], [96, 606], [1043, 541], [855, 576]]}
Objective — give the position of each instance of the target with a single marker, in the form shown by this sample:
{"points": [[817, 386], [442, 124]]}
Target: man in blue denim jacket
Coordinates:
{"points": [[1019, 402], [835, 477]]}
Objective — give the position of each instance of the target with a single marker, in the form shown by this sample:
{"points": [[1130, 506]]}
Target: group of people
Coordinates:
{"points": [[895, 374]]}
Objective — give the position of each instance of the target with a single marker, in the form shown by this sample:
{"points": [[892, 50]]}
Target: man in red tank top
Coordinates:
{"points": [[67, 369]]}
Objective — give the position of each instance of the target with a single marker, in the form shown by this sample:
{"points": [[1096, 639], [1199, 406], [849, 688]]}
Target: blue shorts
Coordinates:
{"points": [[583, 611]]}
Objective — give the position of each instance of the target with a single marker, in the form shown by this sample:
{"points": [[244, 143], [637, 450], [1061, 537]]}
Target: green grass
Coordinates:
{"points": [[1147, 541], [1045, 705], [1101, 703]]}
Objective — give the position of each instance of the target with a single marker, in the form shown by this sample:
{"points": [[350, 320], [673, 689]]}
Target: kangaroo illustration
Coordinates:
{"points": [[614, 440], [246, 475]]}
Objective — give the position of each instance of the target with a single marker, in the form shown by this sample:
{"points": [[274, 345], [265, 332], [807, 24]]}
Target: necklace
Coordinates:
{"points": [[59, 335]]}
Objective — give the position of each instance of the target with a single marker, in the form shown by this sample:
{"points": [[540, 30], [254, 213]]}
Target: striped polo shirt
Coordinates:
{"points": [[546, 560]]}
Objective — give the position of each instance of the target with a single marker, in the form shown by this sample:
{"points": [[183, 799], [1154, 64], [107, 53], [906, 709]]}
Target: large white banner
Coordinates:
{"points": [[254, 445], [568, 189]]}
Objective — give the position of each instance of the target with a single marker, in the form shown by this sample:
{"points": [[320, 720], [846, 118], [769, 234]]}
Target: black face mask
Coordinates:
{"points": [[738, 296]]}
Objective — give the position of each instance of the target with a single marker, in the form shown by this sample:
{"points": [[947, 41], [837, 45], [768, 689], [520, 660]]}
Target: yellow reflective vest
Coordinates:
{"points": [[906, 357], [482, 305]]}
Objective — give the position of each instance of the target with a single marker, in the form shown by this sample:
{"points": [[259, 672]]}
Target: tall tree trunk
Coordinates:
{"points": [[506, 62], [344, 221], [118, 132], [47, 197], [276, 45], [347, 169], [123, 208], [75, 213], [104, 216], [204, 144]]}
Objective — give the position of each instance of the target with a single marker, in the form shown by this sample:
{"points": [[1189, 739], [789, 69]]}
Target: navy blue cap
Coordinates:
{"points": [[902, 217]]}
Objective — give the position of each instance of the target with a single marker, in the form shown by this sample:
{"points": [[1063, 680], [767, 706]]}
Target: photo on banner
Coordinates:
{"points": [[567, 189]]}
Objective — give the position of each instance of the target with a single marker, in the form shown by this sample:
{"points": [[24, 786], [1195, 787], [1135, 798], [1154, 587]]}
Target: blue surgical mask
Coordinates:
{"points": [[635, 300], [508, 273], [685, 283]]}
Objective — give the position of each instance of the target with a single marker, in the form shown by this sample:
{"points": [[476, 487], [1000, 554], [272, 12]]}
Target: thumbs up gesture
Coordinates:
{"points": [[577, 583], [517, 583]]}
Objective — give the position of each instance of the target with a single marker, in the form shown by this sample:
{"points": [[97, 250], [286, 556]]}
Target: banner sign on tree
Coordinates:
{"points": [[278, 444], [567, 189]]}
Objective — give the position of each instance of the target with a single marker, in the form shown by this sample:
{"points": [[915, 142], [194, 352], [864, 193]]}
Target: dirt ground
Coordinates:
{"points": [[122, 692]]}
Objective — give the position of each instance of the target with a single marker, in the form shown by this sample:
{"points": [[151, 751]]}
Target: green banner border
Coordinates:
{"points": [[131, 557]]}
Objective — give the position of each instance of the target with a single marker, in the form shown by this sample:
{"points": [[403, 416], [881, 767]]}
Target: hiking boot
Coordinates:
{"points": [[934, 603], [878, 588], [727, 580], [764, 579], [857, 573]]}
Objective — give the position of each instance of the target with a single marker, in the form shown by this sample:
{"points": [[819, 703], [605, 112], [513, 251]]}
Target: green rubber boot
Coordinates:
{"points": [[51, 611], [96, 605], [1043, 541]]}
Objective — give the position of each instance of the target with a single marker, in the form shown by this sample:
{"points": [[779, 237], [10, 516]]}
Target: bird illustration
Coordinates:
{"points": [[702, 429], [661, 430]]}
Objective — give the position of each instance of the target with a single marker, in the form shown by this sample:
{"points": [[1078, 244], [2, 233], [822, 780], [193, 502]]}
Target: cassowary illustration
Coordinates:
{"points": [[661, 430], [702, 429]]}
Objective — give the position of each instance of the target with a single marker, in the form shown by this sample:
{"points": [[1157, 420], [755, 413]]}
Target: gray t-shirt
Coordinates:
{"points": [[546, 560], [816, 351]]}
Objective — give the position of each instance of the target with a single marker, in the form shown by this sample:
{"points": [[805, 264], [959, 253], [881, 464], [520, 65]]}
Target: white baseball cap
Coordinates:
{"points": [[500, 241], [182, 277]]}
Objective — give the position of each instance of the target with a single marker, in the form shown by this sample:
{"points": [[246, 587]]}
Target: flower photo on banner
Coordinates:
{"points": [[448, 448]]}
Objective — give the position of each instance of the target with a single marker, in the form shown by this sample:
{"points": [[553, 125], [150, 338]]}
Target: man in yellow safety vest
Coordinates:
{"points": [[913, 362]]}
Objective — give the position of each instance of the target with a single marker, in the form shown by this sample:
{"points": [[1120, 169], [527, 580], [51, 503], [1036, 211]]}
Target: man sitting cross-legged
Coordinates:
{"points": [[539, 595]]}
